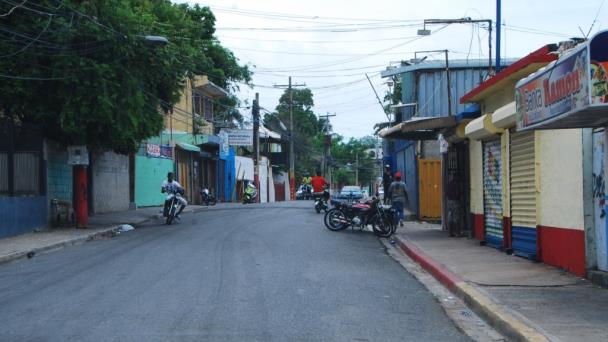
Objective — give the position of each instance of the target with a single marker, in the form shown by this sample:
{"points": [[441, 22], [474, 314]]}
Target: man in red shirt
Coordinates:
{"points": [[318, 185]]}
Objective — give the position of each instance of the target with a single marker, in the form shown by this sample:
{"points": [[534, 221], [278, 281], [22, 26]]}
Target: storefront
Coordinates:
{"points": [[559, 101], [482, 131]]}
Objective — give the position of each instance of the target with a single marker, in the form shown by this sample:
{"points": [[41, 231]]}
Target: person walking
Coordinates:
{"points": [[398, 195]]}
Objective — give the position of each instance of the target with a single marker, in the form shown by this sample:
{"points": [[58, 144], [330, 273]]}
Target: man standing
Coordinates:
{"points": [[387, 179], [398, 194], [173, 188]]}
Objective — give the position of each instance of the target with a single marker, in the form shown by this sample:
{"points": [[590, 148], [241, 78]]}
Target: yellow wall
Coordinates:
{"points": [[181, 119], [476, 169], [498, 99], [560, 175]]}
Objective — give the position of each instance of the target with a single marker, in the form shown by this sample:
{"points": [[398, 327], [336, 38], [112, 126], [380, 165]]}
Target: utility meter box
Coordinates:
{"points": [[78, 155]]}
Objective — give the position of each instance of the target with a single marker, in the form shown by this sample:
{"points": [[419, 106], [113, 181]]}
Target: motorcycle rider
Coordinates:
{"points": [[318, 186], [173, 188], [250, 190]]}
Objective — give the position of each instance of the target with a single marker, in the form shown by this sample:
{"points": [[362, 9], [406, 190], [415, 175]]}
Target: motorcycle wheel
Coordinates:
{"points": [[212, 201], [317, 208], [382, 228], [332, 220], [171, 214]]}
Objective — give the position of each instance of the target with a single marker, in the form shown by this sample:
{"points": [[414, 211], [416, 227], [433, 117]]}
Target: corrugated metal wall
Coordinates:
{"points": [[432, 90]]}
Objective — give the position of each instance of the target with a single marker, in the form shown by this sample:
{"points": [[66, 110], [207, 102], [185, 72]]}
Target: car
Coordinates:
{"points": [[350, 192]]}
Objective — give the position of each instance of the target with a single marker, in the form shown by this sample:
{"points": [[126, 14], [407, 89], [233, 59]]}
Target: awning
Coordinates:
{"points": [[481, 128], [188, 147], [504, 117], [213, 140], [418, 128]]}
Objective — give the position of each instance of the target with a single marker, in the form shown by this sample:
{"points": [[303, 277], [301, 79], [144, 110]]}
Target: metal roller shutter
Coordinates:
{"points": [[523, 194], [492, 194]]}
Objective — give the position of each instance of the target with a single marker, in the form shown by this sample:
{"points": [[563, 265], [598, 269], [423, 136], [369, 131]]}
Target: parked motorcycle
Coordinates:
{"points": [[320, 201], [250, 194], [207, 198], [344, 215], [172, 207]]}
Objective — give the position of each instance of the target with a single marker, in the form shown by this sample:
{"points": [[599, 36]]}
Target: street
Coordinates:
{"points": [[264, 273]]}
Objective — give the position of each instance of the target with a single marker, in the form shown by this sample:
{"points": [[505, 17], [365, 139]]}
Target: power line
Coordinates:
{"points": [[12, 9], [32, 42]]}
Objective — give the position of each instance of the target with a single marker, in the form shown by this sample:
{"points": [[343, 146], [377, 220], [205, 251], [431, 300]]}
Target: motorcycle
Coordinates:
{"points": [[320, 202], [172, 207], [250, 194], [207, 198], [344, 215]]}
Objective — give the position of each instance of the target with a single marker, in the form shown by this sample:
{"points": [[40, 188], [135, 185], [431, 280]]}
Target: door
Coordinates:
{"points": [[523, 194], [223, 182], [599, 207], [430, 188], [492, 194]]}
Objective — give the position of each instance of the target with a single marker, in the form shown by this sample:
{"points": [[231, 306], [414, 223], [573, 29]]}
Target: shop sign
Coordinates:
{"points": [[153, 150], [159, 151], [573, 86], [239, 137]]}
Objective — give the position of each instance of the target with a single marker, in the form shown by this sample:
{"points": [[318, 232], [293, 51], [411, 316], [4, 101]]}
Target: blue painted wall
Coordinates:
{"points": [[20, 215], [229, 173]]}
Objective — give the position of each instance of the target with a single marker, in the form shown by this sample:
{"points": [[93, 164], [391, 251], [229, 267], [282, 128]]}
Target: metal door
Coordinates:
{"points": [[492, 194], [599, 208], [430, 188], [523, 194]]}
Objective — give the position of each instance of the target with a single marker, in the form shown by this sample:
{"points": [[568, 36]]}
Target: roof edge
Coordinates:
{"points": [[542, 55]]}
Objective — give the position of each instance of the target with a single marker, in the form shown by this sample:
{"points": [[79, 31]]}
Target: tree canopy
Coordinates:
{"points": [[88, 74], [309, 132]]}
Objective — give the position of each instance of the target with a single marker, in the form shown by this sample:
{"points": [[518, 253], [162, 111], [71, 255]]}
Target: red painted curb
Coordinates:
{"points": [[438, 270]]}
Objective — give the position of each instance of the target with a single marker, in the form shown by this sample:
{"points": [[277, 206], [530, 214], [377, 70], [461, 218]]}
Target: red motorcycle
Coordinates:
{"points": [[360, 215]]}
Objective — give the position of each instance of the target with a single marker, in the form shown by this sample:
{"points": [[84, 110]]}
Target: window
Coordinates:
{"points": [[3, 173], [208, 108], [196, 102], [26, 168]]}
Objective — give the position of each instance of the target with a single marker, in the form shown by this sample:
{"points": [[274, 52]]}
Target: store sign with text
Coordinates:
{"points": [[573, 84], [238, 137]]}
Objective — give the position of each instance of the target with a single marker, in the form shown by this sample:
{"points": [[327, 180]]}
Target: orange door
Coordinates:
{"points": [[429, 171]]}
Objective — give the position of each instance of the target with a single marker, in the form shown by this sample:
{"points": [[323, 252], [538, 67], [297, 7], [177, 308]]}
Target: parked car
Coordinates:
{"points": [[351, 192]]}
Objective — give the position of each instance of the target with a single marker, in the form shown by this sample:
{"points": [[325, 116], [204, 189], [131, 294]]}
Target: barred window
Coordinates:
{"points": [[27, 173], [3, 173]]}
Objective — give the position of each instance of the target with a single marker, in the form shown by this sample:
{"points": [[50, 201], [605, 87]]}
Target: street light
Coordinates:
{"points": [[157, 40], [466, 20]]}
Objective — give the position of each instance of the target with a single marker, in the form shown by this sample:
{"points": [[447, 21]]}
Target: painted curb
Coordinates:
{"points": [[516, 329], [57, 245]]}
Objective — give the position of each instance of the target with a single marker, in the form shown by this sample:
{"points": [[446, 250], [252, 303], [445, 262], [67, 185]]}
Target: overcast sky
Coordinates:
{"points": [[330, 45]]}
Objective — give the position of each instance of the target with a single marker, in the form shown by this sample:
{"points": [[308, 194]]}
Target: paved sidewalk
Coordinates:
{"points": [[522, 299], [28, 245]]}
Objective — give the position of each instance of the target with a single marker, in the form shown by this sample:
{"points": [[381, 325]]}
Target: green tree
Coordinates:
{"points": [[307, 129], [85, 72]]}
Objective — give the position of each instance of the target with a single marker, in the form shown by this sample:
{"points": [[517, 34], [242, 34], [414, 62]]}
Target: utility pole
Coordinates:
{"points": [[467, 20], [357, 169], [256, 143], [447, 73], [326, 143], [292, 158]]}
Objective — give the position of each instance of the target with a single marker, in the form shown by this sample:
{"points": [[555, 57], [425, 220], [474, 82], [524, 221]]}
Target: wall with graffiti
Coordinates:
{"points": [[599, 195], [492, 192]]}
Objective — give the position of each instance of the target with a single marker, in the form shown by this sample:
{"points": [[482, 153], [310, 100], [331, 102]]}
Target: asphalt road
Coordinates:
{"points": [[271, 273]]}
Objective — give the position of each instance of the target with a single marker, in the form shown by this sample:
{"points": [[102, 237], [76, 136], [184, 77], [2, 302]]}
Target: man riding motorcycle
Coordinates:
{"points": [[173, 188], [318, 186]]}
